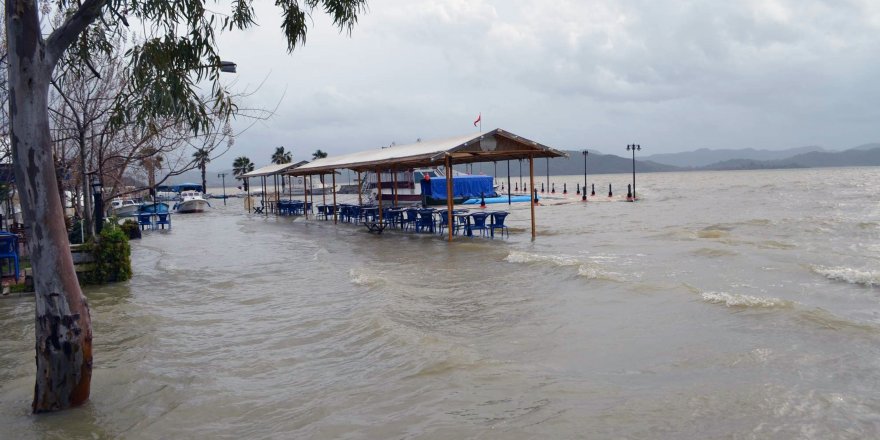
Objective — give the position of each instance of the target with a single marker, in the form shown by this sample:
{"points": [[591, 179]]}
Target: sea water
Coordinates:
{"points": [[720, 305]]}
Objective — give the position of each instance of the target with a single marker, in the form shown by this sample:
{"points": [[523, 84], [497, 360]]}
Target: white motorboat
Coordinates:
{"points": [[191, 201], [124, 207]]}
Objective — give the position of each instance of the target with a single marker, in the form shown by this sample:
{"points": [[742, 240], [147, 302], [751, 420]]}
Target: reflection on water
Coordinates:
{"points": [[733, 305]]}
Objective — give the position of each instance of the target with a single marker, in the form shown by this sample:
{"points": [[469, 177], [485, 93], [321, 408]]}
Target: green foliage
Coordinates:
{"points": [[131, 229], [280, 156], [181, 52], [242, 165], [75, 233], [112, 254]]}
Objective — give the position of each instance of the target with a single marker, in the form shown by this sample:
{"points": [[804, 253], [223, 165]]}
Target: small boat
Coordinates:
{"points": [[154, 208], [191, 201], [124, 207]]}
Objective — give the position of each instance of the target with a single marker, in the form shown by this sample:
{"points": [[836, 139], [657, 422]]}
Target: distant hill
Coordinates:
{"points": [[704, 156], [574, 165], [866, 147], [816, 159]]}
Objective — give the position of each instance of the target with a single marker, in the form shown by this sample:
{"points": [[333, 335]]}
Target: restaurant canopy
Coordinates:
{"points": [[275, 168], [495, 145]]}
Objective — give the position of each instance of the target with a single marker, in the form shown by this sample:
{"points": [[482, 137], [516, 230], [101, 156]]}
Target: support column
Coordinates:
{"points": [[379, 192], [394, 179], [532, 192], [449, 215], [360, 190], [334, 196]]}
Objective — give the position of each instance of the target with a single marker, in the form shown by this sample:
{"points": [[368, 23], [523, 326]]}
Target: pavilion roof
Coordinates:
{"points": [[495, 145]]}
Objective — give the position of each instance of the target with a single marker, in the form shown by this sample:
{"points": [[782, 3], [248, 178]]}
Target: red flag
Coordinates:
{"points": [[480, 116]]}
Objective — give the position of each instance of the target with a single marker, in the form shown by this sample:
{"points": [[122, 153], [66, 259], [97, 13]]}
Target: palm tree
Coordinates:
{"points": [[201, 157], [241, 166], [280, 156], [318, 154]]}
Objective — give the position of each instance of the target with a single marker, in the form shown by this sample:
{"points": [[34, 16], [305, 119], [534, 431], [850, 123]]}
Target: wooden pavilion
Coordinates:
{"points": [[493, 146]]}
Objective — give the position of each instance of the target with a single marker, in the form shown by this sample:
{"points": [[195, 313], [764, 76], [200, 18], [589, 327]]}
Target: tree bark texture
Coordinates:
{"points": [[63, 326]]}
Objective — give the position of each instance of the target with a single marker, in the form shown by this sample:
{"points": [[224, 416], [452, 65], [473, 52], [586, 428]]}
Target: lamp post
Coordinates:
{"points": [[585, 153], [227, 66], [633, 148], [97, 191], [223, 176]]}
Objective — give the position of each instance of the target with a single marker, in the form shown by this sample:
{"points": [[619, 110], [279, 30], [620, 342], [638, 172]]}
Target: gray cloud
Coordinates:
{"points": [[670, 75]]}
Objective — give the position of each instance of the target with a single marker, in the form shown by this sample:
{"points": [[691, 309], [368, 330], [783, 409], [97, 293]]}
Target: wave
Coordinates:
{"points": [[868, 278], [525, 257], [739, 300], [360, 277], [594, 272], [714, 253], [590, 270]]}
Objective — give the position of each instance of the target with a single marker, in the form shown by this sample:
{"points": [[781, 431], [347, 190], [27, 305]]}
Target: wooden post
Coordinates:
{"points": [[394, 179], [263, 196], [532, 193], [334, 195], [449, 216], [306, 196], [360, 190], [323, 194], [248, 205], [379, 192], [277, 195]]}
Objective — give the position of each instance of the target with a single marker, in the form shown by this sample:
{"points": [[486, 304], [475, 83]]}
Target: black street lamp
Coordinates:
{"points": [[633, 148], [223, 176], [227, 66], [585, 153], [97, 192]]}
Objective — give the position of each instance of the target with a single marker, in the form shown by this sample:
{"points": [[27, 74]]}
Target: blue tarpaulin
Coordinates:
{"points": [[462, 186]]}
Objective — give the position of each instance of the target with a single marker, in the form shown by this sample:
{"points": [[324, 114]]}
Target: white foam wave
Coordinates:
{"points": [[525, 257], [360, 277], [869, 278], [739, 300], [594, 272]]}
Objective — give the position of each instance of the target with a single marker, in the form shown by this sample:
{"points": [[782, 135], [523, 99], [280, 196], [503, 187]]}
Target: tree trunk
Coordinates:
{"points": [[204, 181], [63, 326]]}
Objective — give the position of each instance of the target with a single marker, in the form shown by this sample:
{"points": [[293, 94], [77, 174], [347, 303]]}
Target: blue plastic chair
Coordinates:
{"points": [[479, 223], [498, 223], [9, 250], [426, 221], [163, 219], [145, 219], [411, 218]]}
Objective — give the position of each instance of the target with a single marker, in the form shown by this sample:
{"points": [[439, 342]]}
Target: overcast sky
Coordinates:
{"points": [[672, 76]]}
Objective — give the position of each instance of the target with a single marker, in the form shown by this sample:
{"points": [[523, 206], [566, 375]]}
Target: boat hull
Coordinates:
{"points": [[126, 211], [191, 206]]}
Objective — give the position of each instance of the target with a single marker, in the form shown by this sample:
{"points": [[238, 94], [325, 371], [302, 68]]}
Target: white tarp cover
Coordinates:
{"points": [[275, 168], [420, 150]]}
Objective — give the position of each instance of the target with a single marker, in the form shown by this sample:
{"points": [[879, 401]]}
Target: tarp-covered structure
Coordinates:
{"points": [[463, 186]]}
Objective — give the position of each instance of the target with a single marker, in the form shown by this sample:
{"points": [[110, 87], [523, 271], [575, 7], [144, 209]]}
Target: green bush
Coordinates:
{"points": [[75, 234], [131, 229], [112, 257]]}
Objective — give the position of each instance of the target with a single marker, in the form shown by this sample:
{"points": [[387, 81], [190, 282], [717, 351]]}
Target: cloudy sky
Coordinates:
{"points": [[599, 74]]}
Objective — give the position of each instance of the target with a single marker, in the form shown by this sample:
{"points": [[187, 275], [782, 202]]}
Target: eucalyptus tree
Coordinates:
{"points": [[164, 71], [280, 156]]}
